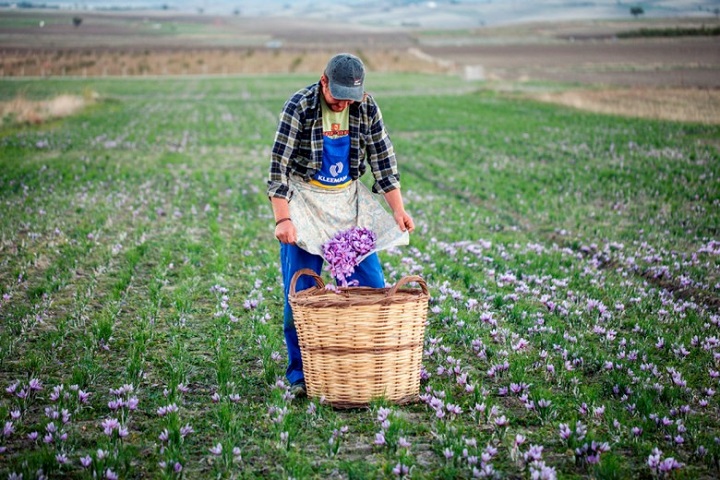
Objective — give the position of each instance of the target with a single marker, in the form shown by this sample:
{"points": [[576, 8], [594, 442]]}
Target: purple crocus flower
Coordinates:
{"points": [[401, 470], [186, 430], [534, 453], [35, 384], [383, 414], [57, 391], [109, 425], [565, 431], [454, 409], [132, 403], [502, 421]]}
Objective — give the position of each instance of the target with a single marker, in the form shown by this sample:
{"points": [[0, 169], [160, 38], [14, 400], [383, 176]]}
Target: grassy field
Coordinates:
{"points": [[573, 261]]}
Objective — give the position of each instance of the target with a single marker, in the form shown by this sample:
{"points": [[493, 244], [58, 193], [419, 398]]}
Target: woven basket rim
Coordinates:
{"points": [[319, 296]]}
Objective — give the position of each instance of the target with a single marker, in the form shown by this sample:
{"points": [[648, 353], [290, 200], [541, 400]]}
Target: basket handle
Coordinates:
{"points": [[406, 280], [305, 271]]}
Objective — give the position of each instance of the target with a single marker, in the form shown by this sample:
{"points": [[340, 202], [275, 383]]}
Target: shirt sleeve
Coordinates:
{"points": [[381, 154], [286, 138]]}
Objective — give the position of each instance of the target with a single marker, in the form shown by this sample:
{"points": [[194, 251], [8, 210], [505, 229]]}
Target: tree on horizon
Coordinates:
{"points": [[636, 11]]}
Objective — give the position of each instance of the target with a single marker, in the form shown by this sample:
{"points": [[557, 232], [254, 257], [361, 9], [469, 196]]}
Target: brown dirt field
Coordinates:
{"points": [[203, 61], [145, 30], [157, 43], [684, 61], [20, 110], [675, 78], [679, 104]]}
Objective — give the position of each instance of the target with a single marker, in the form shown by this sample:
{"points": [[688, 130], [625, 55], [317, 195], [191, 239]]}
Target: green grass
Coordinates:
{"points": [[559, 247]]}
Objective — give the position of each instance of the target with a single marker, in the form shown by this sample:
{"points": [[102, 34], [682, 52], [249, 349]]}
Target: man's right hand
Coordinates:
{"points": [[286, 233]]}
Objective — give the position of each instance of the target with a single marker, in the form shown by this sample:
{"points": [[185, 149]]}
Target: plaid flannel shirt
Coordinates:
{"points": [[298, 145]]}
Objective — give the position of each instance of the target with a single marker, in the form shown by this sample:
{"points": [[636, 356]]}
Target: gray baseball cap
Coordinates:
{"points": [[346, 74]]}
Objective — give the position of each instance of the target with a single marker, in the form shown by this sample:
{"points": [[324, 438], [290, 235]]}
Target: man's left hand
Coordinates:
{"points": [[404, 221]]}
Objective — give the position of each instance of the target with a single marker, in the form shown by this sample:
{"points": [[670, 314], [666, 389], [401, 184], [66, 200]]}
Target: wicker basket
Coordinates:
{"points": [[361, 343]]}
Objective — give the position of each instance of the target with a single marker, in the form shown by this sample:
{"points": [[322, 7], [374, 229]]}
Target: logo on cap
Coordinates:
{"points": [[357, 82]]}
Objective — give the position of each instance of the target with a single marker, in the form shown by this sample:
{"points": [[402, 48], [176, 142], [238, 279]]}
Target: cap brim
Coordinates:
{"points": [[340, 92]]}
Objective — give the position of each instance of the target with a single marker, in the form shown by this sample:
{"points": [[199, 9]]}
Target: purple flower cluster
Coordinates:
{"points": [[343, 251]]}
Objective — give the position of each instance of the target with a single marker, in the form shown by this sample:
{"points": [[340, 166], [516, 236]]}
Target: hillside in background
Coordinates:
{"points": [[602, 47], [409, 13]]}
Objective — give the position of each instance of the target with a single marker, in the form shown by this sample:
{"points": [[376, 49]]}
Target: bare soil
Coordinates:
{"points": [[677, 62], [680, 104], [670, 77], [193, 61]]}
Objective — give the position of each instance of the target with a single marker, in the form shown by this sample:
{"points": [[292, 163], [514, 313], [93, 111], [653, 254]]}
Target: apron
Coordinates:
{"points": [[320, 213]]}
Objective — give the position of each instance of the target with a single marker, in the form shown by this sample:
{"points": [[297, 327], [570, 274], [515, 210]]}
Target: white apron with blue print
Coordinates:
{"points": [[319, 213]]}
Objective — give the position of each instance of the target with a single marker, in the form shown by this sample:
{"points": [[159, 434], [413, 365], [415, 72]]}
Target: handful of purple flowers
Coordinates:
{"points": [[344, 251]]}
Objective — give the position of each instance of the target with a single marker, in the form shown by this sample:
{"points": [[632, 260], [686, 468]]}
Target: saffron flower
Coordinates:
{"points": [[344, 251], [401, 470], [502, 421], [217, 449], [186, 430], [109, 425], [35, 384]]}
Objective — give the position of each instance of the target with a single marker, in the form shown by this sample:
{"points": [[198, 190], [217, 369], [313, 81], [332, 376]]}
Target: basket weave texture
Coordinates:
{"points": [[361, 343]]}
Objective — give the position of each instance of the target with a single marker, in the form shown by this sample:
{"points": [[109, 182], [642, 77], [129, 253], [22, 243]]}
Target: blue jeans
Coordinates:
{"points": [[292, 258]]}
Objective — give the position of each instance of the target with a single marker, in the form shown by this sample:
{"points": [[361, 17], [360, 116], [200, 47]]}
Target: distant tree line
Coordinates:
{"points": [[671, 32], [29, 5], [635, 11]]}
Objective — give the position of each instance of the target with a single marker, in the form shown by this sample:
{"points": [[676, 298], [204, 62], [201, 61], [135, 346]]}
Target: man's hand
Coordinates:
{"points": [[395, 201], [286, 233], [284, 228], [404, 221]]}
